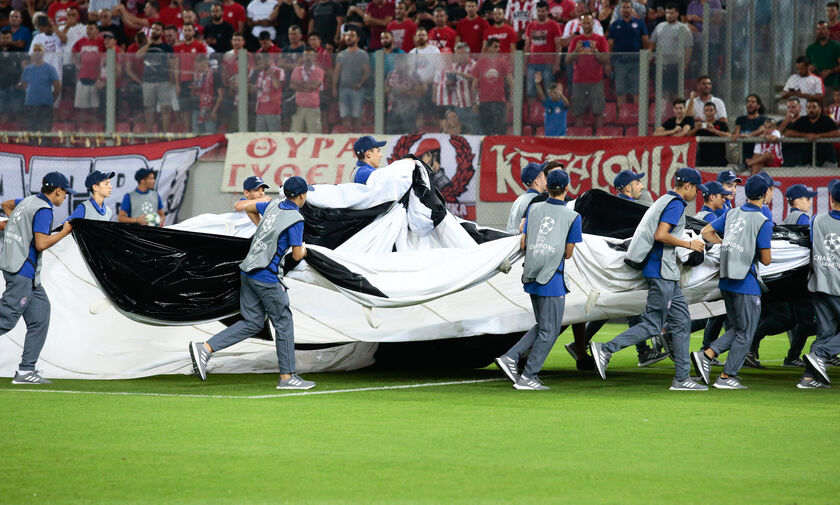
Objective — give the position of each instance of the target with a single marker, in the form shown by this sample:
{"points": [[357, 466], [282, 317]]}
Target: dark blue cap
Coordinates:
{"points": [[531, 172], [295, 186], [253, 182], [756, 186], [834, 190], [715, 188], [769, 179], [688, 174], [557, 179], [57, 180], [142, 174], [626, 177], [728, 176], [96, 177], [831, 184], [798, 191], [365, 144]]}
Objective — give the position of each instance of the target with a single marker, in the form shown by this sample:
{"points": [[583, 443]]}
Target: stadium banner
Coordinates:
{"points": [[591, 163], [329, 159], [23, 167], [779, 204], [453, 160]]}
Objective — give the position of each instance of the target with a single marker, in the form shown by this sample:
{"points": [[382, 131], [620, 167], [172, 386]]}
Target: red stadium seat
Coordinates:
{"points": [[340, 129], [610, 114], [652, 113], [97, 127], [540, 132], [139, 127], [64, 127], [123, 128], [534, 114], [632, 131], [579, 131], [570, 118], [610, 131], [628, 114]]}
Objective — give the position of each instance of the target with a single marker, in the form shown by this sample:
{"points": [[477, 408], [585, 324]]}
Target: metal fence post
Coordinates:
{"points": [[752, 64], [110, 91], [704, 68], [242, 79], [728, 57], [379, 92], [518, 97], [644, 91], [657, 84]]}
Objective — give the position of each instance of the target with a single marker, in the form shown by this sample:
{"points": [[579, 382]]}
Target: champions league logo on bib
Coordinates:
{"points": [[147, 208], [543, 247], [547, 225], [832, 242], [738, 225], [259, 243]]}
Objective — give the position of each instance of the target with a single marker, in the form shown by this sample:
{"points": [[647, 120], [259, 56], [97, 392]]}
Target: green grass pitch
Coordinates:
{"points": [[627, 440]]}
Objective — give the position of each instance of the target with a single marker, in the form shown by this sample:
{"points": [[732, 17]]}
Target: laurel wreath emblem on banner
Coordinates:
{"points": [[463, 159]]}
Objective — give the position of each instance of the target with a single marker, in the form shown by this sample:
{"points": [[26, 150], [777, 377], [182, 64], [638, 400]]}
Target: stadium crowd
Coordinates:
{"points": [[310, 67]]}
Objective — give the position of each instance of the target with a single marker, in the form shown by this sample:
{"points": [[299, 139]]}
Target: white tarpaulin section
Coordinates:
{"points": [[439, 284]]}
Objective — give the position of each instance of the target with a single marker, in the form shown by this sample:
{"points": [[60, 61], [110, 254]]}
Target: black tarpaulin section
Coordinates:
{"points": [[332, 227]]}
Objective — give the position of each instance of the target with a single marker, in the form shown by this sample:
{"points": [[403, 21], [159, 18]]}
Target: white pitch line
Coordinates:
{"points": [[257, 397]]}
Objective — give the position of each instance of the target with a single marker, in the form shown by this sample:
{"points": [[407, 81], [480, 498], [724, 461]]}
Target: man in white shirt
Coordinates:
{"points": [[51, 40], [259, 17], [573, 27], [804, 85], [697, 100], [427, 66]]}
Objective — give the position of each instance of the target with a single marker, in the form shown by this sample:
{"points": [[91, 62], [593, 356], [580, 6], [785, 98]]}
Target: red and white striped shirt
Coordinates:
{"points": [[454, 90], [834, 112], [519, 13], [775, 148]]}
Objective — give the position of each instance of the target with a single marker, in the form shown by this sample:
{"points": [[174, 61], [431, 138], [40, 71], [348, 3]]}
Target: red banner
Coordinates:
{"points": [[591, 163], [779, 204]]}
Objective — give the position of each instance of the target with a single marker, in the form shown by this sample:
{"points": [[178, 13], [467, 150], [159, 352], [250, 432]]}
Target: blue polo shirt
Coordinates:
{"points": [[126, 201], [555, 117], [766, 211], [363, 171], [41, 223], [79, 213], [833, 213], [626, 197], [293, 236], [804, 219], [671, 215], [749, 284], [726, 206], [711, 216], [556, 286], [627, 35]]}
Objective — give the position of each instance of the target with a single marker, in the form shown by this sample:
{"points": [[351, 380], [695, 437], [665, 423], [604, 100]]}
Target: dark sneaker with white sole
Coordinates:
{"points": [[715, 362], [530, 384], [29, 377], [687, 385], [793, 362], [751, 361], [731, 382], [601, 357], [295, 382], [572, 350], [199, 356], [650, 357], [833, 361], [507, 365], [818, 366], [812, 384], [703, 364]]}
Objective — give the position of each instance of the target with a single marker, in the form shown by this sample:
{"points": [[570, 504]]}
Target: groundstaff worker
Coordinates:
{"points": [[653, 247], [747, 233], [368, 156], [533, 177], [27, 236], [825, 284], [550, 233], [141, 202], [94, 208], [279, 227]]}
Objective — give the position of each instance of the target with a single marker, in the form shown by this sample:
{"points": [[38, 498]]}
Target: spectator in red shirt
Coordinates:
{"points": [[134, 72], [307, 82], [471, 28], [561, 10], [501, 31], [442, 36], [832, 12], [172, 14], [542, 36], [235, 15], [378, 14], [186, 57], [207, 91], [151, 14], [402, 28], [491, 72], [589, 53], [87, 56], [58, 11], [269, 90], [267, 45]]}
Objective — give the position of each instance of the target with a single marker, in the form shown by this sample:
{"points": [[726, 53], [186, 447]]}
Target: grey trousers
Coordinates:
{"points": [[665, 306], [742, 312], [22, 299], [827, 308], [256, 299], [541, 337]]}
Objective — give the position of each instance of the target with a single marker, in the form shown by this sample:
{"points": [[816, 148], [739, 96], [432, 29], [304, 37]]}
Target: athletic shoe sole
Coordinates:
{"points": [[196, 369], [652, 361], [695, 358], [725, 386], [595, 349], [815, 366], [570, 348], [507, 372]]}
